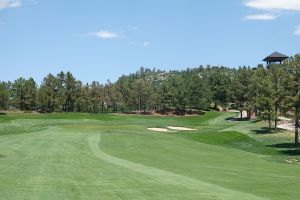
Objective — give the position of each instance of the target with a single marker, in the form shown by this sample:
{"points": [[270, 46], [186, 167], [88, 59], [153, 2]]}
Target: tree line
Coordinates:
{"points": [[264, 92]]}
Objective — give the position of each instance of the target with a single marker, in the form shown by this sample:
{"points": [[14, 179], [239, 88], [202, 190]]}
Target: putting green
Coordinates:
{"points": [[81, 156]]}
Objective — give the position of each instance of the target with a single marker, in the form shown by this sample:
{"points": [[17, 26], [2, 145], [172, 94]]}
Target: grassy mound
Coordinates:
{"points": [[235, 139]]}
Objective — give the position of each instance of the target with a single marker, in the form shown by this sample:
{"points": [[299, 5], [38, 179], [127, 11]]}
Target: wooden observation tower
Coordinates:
{"points": [[275, 58]]}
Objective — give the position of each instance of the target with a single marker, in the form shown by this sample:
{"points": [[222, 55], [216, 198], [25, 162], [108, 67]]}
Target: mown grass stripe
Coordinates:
{"points": [[205, 189]]}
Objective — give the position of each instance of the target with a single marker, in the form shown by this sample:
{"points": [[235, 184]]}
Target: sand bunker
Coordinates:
{"points": [[171, 129], [180, 128], [158, 129]]}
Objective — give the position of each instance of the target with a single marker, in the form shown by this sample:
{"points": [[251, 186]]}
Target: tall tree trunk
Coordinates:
{"points": [[276, 111], [139, 103], [255, 111], [21, 100], [241, 113], [3, 102], [297, 131]]}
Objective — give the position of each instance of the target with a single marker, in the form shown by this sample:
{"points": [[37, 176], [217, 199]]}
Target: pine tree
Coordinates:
{"points": [[292, 86], [18, 93], [241, 92], [140, 94], [264, 95], [276, 75], [4, 95], [48, 94], [70, 91], [199, 95], [220, 82], [30, 95]]}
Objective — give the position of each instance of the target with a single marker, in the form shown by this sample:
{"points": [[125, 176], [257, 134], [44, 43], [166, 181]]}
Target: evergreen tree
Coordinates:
{"points": [[165, 97], [49, 94], [292, 86], [70, 91], [219, 81], [199, 95], [123, 88], [96, 99], [241, 92], [30, 95], [4, 95], [140, 94], [18, 93], [276, 75], [179, 91], [264, 95], [61, 96]]}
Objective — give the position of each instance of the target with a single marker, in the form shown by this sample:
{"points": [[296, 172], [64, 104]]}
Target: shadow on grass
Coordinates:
{"points": [[255, 121], [2, 156], [289, 149], [283, 145], [235, 119], [293, 152], [2, 113], [266, 130]]}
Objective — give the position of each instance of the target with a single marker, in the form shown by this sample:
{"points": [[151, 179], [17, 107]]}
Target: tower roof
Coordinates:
{"points": [[276, 57]]}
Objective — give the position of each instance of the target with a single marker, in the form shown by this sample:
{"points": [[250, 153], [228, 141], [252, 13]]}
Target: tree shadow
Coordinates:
{"points": [[255, 120], [291, 152], [289, 149], [236, 119], [265, 130], [1, 113], [283, 145]]}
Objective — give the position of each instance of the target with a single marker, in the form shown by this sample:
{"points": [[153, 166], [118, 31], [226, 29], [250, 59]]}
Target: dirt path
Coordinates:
{"points": [[288, 126]]}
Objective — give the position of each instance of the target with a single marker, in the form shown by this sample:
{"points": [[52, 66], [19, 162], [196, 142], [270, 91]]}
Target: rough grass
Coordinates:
{"points": [[86, 156]]}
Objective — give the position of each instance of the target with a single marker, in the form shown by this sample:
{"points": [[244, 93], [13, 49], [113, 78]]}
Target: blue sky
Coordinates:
{"points": [[103, 39]]}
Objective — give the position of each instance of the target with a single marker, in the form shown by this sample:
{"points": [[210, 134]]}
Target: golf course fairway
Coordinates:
{"points": [[108, 156]]}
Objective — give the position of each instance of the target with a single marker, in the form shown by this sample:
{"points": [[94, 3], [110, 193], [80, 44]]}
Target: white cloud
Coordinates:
{"points": [[279, 5], [10, 4], [146, 44], [105, 34], [297, 31], [264, 17], [274, 9]]}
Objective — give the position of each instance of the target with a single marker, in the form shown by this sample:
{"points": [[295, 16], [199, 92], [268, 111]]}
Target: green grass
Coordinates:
{"points": [[86, 156]]}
